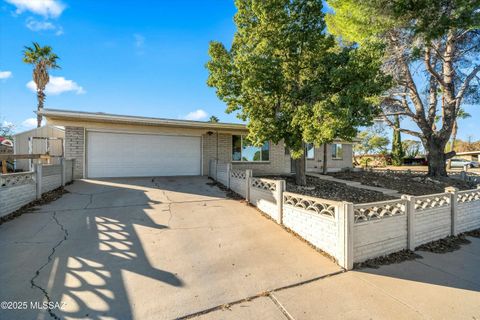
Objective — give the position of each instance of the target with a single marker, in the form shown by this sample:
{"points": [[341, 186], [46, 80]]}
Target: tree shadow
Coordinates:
{"points": [[88, 271]]}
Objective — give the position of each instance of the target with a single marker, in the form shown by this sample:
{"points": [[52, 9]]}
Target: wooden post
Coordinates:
{"points": [[4, 166], [229, 170], [64, 172], [410, 206], [348, 223], [453, 204], [279, 189], [38, 179], [248, 177]]}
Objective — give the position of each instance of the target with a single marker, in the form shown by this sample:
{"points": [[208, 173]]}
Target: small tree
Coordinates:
{"points": [[411, 148], [372, 141], [6, 130], [213, 119], [42, 59], [397, 147], [290, 80]]}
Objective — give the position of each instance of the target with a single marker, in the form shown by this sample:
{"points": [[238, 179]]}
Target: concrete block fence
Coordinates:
{"points": [[19, 189], [353, 233]]}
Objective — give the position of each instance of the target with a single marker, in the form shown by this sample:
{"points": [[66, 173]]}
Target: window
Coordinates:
{"points": [[244, 151], [337, 151], [310, 151]]}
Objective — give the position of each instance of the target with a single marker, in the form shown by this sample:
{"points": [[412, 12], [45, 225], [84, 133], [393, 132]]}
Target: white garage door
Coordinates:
{"points": [[141, 155]]}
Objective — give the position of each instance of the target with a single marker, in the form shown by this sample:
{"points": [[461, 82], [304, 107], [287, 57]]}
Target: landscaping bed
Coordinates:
{"points": [[333, 190], [416, 185]]}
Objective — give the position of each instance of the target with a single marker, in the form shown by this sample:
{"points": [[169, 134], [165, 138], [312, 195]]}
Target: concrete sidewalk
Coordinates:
{"points": [[439, 286]]}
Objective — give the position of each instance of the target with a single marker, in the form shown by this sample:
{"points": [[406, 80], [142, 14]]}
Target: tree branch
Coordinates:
{"points": [[407, 131], [431, 70], [465, 85]]}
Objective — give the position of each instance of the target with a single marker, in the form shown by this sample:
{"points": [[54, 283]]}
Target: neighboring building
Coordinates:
{"points": [[107, 145], [21, 144], [469, 155], [339, 156], [6, 146]]}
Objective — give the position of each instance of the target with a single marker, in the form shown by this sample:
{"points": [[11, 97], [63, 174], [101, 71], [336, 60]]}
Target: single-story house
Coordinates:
{"points": [[46, 139], [469, 155], [108, 145]]}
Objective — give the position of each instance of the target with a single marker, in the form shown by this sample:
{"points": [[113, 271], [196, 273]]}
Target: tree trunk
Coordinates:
{"points": [[300, 174], [452, 146], [325, 159], [436, 160], [41, 98]]}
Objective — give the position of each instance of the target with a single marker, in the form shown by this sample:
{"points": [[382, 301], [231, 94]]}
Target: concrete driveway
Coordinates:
{"points": [[158, 248]]}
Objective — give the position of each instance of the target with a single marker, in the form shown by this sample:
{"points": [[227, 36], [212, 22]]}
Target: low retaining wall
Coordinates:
{"points": [[315, 220], [16, 190], [19, 189], [468, 210], [357, 232]]}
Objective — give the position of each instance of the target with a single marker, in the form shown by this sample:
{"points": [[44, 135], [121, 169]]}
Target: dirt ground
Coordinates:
{"points": [[333, 190], [408, 184]]}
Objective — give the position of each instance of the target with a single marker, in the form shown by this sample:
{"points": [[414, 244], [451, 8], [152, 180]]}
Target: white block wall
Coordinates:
{"points": [[238, 186], [265, 201], [468, 216], [320, 231], [14, 197], [432, 224], [379, 237], [51, 182], [222, 174], [68, 170]]}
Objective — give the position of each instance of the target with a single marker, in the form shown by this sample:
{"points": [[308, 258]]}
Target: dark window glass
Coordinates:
{"points": [[310, 151], [236, 148]]}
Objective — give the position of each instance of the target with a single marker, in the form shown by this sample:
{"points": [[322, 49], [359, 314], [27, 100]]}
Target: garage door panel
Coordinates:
{"points": [[137, 155]]}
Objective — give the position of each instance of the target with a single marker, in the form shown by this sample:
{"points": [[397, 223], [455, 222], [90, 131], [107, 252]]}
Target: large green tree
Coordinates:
{"points": [[290, 80], [42, 59], [431, 49]]}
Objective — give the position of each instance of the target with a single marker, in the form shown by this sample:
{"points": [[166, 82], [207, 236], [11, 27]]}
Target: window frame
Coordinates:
{"points": [[306, 151], [335, 148], [241, 150]]}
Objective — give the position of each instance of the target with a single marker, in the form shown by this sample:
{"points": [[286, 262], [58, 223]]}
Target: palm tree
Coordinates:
{"points": [[460, 115], [213, 119], [43, 59]]}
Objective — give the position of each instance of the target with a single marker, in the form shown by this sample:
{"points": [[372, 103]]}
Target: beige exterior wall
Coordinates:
{"points": [[279, 162], [21, 145], [316, 164], [212, 148], [215, 145]]}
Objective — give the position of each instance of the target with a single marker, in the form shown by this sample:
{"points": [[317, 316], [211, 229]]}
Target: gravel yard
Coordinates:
{"points": [[407, 184], [333, 190]]}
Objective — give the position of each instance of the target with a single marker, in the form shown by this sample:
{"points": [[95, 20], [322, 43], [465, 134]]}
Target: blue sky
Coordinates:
{"points": [[127, 57]]}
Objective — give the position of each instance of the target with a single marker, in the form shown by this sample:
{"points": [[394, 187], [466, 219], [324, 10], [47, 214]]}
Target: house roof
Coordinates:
{"points": [[108, 117], [57, 114], [36, 129]]}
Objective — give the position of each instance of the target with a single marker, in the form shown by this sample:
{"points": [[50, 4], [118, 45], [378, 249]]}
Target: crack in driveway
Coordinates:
{"points": [[49, 259]]}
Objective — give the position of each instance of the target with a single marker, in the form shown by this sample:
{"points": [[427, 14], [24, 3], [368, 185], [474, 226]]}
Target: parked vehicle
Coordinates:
{"points": [[460, 163]]}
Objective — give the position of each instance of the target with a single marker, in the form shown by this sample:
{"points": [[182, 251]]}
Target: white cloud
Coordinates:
{"points": [[45, 8], [198, 114], [139, 40], [58, 85], [45, 25], [5, 74], [30, 123], [7, 124]]}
